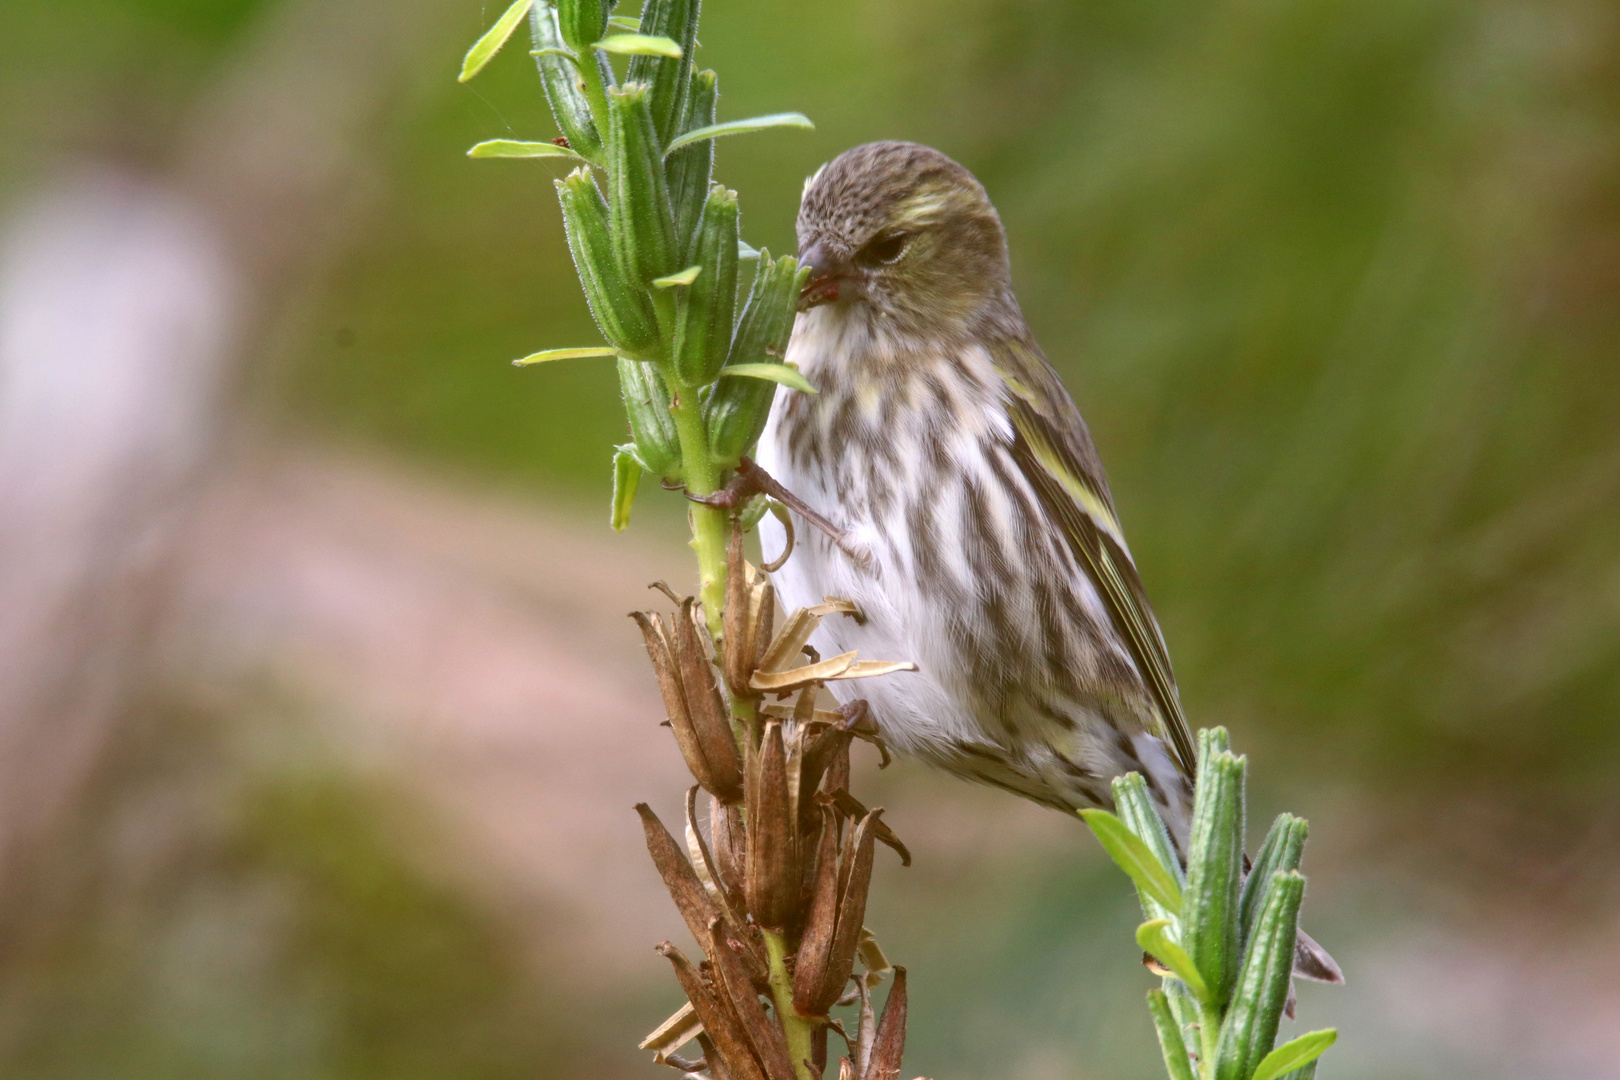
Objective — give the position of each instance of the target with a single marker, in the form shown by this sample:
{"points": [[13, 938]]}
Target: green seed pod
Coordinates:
{"points": [[738, 407], [1281, 852], [689, 168], [621, 310], [668, 77], [646, 402], [707, 307], [560, 80], [643, 230], [1209, 902], [1250, 1026], [583, 23], [1135, 808]]}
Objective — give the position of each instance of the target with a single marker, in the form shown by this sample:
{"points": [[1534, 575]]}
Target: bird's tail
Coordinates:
{"points": [[1311, 961]]}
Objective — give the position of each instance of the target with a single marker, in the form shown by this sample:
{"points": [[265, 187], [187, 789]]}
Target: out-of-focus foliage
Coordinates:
{"points": [[106, 78], [232, 907]]}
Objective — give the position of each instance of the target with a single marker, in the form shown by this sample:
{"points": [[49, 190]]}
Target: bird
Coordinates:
{"points": [[963, 505]]}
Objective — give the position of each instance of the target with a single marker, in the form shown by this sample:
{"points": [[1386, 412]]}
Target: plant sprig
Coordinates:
{"points": [[1227, 941], [657, 247], [677, 333]]}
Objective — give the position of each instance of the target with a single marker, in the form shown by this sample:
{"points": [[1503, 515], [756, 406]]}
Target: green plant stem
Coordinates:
{"points": [[1209, 1035], [702, 477], [595, 92], [744, 719], [664, 313], [800, 1030]]}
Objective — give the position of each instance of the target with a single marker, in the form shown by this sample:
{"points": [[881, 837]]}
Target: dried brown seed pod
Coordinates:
{"points": [[890, 1043], [711, 725], [787, 646], [811, 995], [728, 837], [769, 1044], [662, 655], [851, 807], [828, 748], [771, 884], [680, 879], [720, 1023], [711, 1057], [750, 612], [744, 935], [855, 880], [782, 682], [762, 620], [697, 716]]}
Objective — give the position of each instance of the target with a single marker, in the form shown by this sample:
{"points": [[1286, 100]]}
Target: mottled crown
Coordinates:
{"points": [[955, 252], [887, 185]]}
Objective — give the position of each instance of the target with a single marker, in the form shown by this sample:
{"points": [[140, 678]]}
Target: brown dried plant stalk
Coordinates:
{"points": [[775, 894]]}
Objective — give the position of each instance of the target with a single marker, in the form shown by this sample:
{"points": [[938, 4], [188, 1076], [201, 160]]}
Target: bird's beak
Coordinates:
{"points": [[826, 275]]}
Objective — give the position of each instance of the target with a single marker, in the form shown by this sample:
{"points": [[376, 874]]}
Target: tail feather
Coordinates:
{"points": [[1311, 961]]}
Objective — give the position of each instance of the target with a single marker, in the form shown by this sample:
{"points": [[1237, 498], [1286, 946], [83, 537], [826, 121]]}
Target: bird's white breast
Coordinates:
{"points": [[920, 712]]}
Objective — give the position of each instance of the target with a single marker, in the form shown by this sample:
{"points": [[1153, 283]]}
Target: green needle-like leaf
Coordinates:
{"points": [[1154, 937], [562, 354], [1135, 858], [1295, 1054], [490, 44], [741, 127], [745, 253], [626, 476], [640, 45], [1176, 1062], [684, 277], [513, 148], [777, 373], [624, 22]]}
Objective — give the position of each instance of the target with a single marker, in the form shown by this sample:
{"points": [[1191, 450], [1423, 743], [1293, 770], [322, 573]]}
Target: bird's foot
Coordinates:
{"points": [[857, 720], [751, 480]]}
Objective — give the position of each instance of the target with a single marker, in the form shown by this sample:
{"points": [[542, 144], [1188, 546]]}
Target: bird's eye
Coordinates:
{"points": [[884, 249]]}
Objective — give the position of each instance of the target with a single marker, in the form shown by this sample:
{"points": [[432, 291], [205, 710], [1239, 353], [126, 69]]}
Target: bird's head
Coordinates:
{"points": [[906, 231]]}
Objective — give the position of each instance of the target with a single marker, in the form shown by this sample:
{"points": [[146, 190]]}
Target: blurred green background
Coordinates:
{"points": [[1337, 285]]}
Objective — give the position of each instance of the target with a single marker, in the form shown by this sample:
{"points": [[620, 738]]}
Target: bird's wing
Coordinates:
{"points": [[1055, 453]]}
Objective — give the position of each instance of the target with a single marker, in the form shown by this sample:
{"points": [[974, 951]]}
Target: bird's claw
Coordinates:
{"points": [[750, 480], [857, 720]]}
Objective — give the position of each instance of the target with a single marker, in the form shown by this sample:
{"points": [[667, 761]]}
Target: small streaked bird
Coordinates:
{"points": [[970, 517]]}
